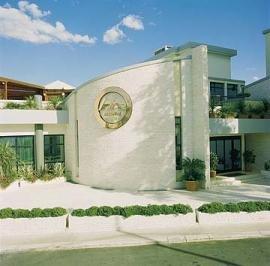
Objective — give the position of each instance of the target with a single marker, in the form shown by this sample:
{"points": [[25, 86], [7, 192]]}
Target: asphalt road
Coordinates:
{"points": [[233, 252]]}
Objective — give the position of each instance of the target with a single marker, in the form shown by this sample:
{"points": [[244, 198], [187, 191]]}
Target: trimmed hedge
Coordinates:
{"points": [[34, 213], [128, 211], [245, 206]]}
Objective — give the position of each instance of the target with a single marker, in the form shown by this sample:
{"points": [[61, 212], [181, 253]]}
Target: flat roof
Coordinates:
{"points": [[211, 49]]}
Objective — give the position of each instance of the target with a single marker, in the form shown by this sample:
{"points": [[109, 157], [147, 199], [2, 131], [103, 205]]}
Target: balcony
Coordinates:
{"points": [[219, 126], [31, 116]]}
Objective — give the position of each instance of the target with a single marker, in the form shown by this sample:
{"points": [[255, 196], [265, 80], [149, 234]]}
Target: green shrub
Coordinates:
{"points": [[55, 103], [180, 208], [128, 211], [79, 212], [117, 210], [30, 103], [245, 206], [249, 156], [213, 207], [267, 165], [105, 211], [13, 105], [231, 207], [34, 213], [213, 161], [92, 211], [266, 105], [7, 165], [27, 173], [6, 213], [193, 169], [21, 213]]}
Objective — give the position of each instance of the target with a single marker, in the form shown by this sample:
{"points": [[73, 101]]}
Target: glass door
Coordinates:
{"points": [[228, 150]]}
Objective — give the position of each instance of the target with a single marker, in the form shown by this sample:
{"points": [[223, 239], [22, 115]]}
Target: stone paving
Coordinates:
{"points": [[69, 195]]}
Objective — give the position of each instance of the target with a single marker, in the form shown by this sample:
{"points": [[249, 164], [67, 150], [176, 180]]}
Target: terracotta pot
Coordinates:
{"points": [[213, 173], [192, 185]]}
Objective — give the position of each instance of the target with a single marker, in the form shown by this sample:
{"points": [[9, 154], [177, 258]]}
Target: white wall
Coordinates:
{"points": [[219, 66], [140, 154], [260, 89], [17, 130], [195, 117], [260, 143]]}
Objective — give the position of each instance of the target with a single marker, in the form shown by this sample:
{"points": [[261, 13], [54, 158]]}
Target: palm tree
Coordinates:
{"points": [[193, 169]]}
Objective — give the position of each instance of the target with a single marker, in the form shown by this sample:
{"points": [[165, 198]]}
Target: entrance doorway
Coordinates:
{"points": [[228, 150]]}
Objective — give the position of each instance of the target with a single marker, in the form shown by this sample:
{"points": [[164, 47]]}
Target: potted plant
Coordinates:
{"points": [[249, 158], [266, 171], [213, 164], [194, 170]]}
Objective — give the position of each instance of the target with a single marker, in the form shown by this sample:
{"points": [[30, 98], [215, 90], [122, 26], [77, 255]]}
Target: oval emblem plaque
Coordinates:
{"points": [[113, 107]]}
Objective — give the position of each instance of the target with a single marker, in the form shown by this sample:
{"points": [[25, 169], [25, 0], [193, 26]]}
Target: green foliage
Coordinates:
{"points": [[267, 165], [242, 107], [13, 105], [228, 109], [92, 211], [193, 169], [34, 213], [128, 211], [213, 161], [7, 165], [245, 206], [27, 173], [30, 103], [6, 213], [249, 156], [266, 105], [105, 211], [55, 103], [79, 213]]}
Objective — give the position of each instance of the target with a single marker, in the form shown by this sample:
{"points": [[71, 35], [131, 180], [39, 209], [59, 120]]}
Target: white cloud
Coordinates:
{"points": [[32, 9], [26, 24], [113, 35], [133, 22]]}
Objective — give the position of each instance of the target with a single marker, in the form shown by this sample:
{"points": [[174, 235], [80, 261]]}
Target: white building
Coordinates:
{"points": [[130, 128]]}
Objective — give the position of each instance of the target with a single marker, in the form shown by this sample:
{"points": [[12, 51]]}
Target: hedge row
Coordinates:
{"points": [[128, 211], [245, 206], [34, 213]]}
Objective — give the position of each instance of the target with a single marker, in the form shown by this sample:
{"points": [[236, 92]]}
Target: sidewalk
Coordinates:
{"points": [[68, 240]]}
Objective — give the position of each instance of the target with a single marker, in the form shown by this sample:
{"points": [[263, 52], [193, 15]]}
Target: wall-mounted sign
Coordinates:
{"points": [[113, 107]]}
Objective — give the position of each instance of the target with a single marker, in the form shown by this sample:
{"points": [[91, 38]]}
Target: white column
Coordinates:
{"points": [[39, 141]]}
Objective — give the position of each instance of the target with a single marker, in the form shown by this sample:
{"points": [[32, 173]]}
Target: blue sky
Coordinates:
{"points": [[76, 40]]}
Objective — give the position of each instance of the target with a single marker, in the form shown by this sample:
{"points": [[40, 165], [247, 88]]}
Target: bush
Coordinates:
{"points": [[7, 165], [193, 169], [213, 161], [79, 213], [6, 213], [34, 213], [267, 165], [92, 211], [55, 103], [30, 103], [13, 105], [245, 206], [105, 211], [128, 211], [249, 156]]}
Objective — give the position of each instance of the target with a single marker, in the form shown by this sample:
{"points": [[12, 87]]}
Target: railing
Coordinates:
{"points": [[218, 100]]}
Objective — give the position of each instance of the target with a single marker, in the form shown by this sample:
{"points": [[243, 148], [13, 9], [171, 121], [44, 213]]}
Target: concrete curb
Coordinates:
{"points": [[121, 239]]}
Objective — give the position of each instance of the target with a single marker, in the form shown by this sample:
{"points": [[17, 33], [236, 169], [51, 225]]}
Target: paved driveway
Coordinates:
{"points": [[70, 195]]}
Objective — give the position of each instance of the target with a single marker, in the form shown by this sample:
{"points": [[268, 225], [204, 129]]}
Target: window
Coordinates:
{"points": [[23, 147], [54, 149], [217, 89], [232, 90], [178, 149]]}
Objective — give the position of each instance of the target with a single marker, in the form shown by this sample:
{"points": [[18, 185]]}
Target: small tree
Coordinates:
{"points": [[213, 161], [7, 165], [193, 169], [30, 103]]}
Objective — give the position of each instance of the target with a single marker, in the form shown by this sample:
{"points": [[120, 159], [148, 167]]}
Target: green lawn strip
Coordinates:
{"points": [[149, 210], [34, 213], [245, 206]]}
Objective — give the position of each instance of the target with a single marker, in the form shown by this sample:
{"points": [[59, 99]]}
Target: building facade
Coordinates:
{"points": [[131, 128]]}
